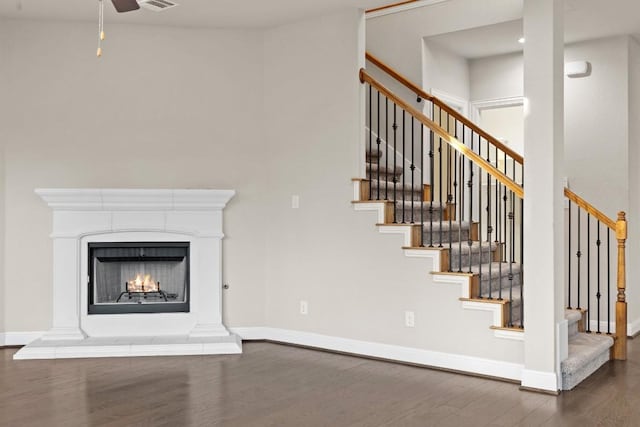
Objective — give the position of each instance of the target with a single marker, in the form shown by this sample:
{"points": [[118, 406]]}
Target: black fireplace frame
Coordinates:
{"points": [[177, 307]]}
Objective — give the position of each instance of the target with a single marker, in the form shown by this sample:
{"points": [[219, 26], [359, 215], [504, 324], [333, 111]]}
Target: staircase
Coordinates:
{"points": [[456, 195]]}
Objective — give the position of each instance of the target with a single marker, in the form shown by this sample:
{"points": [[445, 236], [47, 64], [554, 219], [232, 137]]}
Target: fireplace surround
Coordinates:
{"points": [[118, 235]]}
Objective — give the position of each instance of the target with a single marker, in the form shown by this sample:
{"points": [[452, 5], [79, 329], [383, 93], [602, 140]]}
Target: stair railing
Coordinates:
{"points": [[459, 201], [589, 281]]}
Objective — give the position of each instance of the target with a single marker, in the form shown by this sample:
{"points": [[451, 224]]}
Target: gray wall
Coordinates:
{"points": [[358, 283], [270, 114], [163, 108], [3, 114]]}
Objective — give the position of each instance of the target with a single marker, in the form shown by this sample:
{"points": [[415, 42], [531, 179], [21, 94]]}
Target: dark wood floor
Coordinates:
{"points": [[277, 385]]}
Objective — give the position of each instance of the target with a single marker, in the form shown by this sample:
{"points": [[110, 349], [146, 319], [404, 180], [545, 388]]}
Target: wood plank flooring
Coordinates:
{"points": [[277, 385]]}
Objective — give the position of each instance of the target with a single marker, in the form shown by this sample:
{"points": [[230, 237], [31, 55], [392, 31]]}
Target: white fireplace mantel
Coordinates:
{"points": [[83, 216]]}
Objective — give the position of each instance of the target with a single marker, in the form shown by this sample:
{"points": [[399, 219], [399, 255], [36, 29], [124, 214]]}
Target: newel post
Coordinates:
{"points": [[620, 345]]}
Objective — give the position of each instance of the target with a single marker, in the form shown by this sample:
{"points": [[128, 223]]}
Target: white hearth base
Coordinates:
{"points": [[130, 347]]}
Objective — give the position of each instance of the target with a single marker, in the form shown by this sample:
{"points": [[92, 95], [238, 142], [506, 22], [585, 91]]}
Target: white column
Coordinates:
{"points": [[545, 328], [66, 291]]}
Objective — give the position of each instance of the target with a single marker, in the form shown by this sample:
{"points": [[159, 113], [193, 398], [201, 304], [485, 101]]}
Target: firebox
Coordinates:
{"points": [[138, 277]]}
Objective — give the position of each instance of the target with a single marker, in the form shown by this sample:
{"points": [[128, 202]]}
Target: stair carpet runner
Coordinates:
{"points": [[494, 276], [587, 352]]}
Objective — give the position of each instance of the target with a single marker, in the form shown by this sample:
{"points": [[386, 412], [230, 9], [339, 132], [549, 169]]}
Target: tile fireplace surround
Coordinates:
{"points": [[83, 216]]}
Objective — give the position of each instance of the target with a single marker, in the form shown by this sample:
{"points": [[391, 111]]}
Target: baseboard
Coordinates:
{"points": [[633, 328], [539, 381], [454, 362], [18, 338]]}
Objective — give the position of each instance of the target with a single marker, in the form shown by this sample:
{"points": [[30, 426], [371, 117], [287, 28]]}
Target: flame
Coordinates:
{"points": [[140, 284]]}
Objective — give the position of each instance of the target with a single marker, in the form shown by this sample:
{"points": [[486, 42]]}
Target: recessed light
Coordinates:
{"points": [[521, 40]]}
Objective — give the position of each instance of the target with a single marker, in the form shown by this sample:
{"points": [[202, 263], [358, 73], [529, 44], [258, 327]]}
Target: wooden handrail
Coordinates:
{"points": [[619, 351], [590, 209], [389, 6], [444, 135], [443, 106]]}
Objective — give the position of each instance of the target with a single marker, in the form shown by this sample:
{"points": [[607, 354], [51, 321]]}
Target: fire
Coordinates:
{"points": [[142, 284]]}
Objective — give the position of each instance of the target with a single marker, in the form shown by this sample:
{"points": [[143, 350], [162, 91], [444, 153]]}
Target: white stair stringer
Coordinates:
{"points": [[372, 206], [490, 306]]}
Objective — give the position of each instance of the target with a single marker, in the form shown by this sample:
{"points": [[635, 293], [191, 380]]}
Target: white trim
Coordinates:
{"points": [[402, 8], [494, 309], [19, 338], [456, 362], [540, 380], [633, 327], [452, 100], [485, 104]]}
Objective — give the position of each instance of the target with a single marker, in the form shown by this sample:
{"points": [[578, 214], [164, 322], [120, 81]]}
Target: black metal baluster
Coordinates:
{"points": [[498, 230], [608, 281], [404, 157], [422, 185], [480, 215], [510, 276], [449, 198], [489, 226], [588, 273], [461, 214], [386, 150], [470, 186], [442, 210], [579, 255], [598, 295], [569, 266], [522, 262], [370, 140], [395, 162], [431, 180], [378, 140], [413, 166]]}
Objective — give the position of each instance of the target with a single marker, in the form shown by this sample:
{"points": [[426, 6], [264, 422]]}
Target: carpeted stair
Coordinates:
{"points": [[587, 352], [498, 281]]}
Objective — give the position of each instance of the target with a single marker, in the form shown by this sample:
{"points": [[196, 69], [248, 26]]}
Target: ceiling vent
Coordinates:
{"points": [[157, 5]]}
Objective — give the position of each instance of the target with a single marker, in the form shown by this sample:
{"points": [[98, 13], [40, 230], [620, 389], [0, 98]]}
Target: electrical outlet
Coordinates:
{"points": [[304, 307], [295, 201], [409, 319]]}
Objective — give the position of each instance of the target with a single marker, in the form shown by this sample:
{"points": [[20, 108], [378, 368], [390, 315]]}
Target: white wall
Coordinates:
{"points": [[445, 71], [3, 113], [397, 38], [163, 108], [357, 282], [596, 115], [496, 77], [633, 215]]}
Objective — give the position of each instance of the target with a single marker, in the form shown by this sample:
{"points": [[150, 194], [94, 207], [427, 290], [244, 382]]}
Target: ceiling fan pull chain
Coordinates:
{"points": [[100, 27]]}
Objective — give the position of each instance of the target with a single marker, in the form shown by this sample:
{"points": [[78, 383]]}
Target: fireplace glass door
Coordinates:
{"points": [[147, 277]]}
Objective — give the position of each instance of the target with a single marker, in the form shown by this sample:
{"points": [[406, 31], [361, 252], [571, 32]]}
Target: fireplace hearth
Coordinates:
{"points": [[138, 277]]}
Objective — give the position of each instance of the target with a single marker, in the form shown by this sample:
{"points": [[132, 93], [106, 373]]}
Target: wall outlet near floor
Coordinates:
{"points": [[295, 201], [304, 307], [409, 319]]}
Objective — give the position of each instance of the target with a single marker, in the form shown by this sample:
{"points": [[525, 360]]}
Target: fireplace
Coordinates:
{"points": [[138, 277], [136, 272]]}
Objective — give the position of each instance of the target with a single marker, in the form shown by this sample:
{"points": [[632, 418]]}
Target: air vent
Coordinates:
{"points": [[156, 5]]}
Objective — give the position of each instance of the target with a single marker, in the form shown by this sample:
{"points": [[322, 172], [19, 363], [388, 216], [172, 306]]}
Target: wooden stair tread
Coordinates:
{"points": [[486, 300], [507, 328]]}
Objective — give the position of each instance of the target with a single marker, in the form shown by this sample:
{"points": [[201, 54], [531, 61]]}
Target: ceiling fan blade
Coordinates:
{"points": [[125, 5]]}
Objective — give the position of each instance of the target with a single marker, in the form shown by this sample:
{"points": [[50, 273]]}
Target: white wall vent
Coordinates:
{"points": [[157, 5]]}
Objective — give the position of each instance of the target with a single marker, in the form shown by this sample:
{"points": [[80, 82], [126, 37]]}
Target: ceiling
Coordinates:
{"points": [[190, 13], [584, 20]]}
